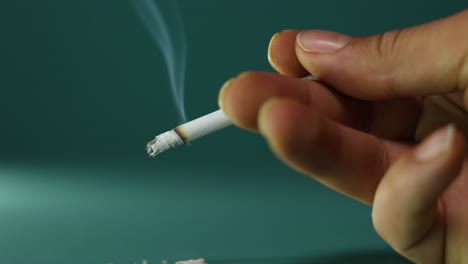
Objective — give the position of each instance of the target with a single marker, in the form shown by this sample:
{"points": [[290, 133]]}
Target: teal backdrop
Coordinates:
{"points": [[83, 88]]}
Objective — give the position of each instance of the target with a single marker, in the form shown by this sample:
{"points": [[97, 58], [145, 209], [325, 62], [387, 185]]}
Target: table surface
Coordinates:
{"points": [[130, 213]]}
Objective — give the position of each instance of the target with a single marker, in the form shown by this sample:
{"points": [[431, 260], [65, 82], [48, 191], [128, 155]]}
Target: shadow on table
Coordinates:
{"points": [[365, 257]]}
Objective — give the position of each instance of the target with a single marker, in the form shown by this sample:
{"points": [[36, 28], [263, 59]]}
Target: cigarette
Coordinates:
{"points": [[192, 130], [188, 132]]}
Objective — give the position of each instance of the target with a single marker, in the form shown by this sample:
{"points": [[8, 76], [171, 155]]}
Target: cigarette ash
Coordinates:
{"points": [[163, 142]]}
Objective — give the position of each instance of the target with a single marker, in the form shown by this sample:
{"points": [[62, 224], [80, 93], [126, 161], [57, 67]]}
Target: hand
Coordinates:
{"points": [[358, 129]]}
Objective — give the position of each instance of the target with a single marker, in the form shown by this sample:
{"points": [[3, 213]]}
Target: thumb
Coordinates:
{"points": [[426, 59], [408, 208]]}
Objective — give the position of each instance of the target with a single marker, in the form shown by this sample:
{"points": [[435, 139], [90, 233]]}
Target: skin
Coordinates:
{"points": [[354, 130]]}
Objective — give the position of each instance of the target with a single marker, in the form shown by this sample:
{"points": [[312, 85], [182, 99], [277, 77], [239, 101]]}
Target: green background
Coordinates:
{"points": [[83, 88]]}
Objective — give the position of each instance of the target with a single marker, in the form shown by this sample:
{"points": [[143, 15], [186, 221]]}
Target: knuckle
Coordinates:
{"points": [[388, 45], [382, 54]]}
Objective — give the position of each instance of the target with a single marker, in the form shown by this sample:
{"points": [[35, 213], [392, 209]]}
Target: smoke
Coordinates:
{"points": [[164, 24]]}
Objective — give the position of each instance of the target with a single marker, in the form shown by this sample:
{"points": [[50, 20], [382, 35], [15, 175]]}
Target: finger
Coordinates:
{"points": [[242, 97], [342, 158], [427, 59], [281, 54], [407, 210]]}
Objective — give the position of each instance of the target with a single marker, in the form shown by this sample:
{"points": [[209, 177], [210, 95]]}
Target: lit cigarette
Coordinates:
{"points": [[192, 130], [188, 132]]}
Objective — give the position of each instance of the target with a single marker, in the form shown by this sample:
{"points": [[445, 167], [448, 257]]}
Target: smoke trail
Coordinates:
{"points": [[171, 41]]}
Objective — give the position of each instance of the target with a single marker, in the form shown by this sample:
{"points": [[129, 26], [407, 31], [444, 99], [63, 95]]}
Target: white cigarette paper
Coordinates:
{"points": [[188, 132]]}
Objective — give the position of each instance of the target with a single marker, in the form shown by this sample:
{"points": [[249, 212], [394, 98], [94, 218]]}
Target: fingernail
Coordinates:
{"points": [[321, 41], [270, 58], [436, 144], [222, 92]]}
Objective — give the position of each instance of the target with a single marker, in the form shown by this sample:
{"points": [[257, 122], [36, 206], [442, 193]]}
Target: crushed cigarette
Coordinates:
{"points": [[192, 261]]}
